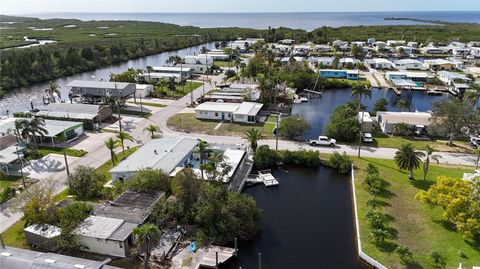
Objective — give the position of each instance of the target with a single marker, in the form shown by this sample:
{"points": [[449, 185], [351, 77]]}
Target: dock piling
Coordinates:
{"points": [[259, 260], [236, 247]]}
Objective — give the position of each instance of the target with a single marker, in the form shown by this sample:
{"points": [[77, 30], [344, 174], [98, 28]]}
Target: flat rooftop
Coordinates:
{"points": [[54, 127], [218, 106], [164, 153], [414, 118], [99, 84]]}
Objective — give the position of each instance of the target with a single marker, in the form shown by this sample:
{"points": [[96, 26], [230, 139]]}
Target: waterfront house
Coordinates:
{"points": [[100, 90], [451, 78], [333, 73], [419, 78], [10, 152], [143, 90], [165, 154], [379, 63], [203, 59], [58, 131], [387, 120], [184, 72], [246, 112], [432, 50], [13, 258], [234, 93], [217, 55], [87, 113], [409, 64], [176, 73], [439, 64]]}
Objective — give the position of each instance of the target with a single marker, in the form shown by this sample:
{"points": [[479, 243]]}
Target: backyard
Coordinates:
{"points": [[440, 145], [186, 122], [179, 90], [418, 226]]}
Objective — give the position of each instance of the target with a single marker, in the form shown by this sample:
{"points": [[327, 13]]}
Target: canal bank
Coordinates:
{"points": [[307, 221], [318, 111], [19, 99]]}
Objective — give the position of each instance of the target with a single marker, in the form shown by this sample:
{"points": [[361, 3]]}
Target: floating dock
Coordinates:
{"points": [[265, 177]]}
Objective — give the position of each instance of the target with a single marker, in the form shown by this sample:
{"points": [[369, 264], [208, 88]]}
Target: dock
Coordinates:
{"points": [[205, 257], [265, 177]]}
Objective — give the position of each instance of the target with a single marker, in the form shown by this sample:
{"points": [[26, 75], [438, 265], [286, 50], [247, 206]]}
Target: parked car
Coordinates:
{"points": [[475, 141], [367, 137], [322, 141]]}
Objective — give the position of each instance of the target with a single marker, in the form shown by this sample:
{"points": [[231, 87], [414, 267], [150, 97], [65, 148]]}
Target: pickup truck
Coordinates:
{"points": [[322, 141]]}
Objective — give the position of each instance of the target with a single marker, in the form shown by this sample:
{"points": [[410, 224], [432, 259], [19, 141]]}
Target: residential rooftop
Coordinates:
{"points": [[98, 84], [54, 127]]}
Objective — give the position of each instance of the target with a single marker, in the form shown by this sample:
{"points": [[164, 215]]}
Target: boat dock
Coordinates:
{"points": [[205, 257], [265, 177]]}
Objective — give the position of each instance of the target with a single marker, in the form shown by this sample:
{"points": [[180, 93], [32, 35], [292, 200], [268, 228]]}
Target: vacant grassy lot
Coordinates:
{"points": [[440, 145], [224, 63], [179, 90], [147, 104], [420, 227], [70, 152], [186, 122]]}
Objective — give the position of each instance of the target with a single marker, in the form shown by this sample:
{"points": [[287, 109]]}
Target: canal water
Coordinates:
{"points": [[20, 99], [318, 111], [307, 222]]}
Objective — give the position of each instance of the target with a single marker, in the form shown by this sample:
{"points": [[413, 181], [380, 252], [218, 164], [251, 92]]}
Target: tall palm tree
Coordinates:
{"points": [[149, 70], [407, 158], [361, 91], [35, 128], [152, 129], [253, 135], [112, 144], [473, 96], [202, 150], [122, 136], [477, 152], [53, 89], [401, 105], [429, 156], [147, 237], [20, 124]]}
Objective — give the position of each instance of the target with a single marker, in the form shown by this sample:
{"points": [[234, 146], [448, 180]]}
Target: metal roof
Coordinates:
{"points": [[67, 110], [54, 127], [98, 227], [44, 230], [123, 232], [218, 107], [99, 84], [249, 108], [164, 153], [169, 69], [413, 118], [9, 154], [13, 258]]}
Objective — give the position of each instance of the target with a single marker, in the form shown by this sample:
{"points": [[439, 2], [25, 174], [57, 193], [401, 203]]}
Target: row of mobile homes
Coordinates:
{"points": [[342, 74], [379, 63]]}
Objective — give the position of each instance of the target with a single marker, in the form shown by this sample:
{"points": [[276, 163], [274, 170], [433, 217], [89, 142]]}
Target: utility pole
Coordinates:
{"points": [[21, 169], [118, 108], [66, 161]]}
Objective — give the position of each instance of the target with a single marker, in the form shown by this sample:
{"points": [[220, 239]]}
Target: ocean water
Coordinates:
{"points": [[306, 21]]}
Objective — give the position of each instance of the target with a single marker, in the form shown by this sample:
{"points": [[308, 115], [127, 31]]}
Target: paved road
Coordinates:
{"points": [[98, 154]]}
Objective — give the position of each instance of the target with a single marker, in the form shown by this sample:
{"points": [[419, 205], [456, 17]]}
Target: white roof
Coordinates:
{"points": [[413, 118], [44, 230], [165, 154], [453, 75], [249, 108], [98, 227], [379, 60], [437, 61], [167, 69], [143, 86], [218, 107], [233, 157], [9, 154], [407, 61], [366, 117], [54, 127], [98, 84]]}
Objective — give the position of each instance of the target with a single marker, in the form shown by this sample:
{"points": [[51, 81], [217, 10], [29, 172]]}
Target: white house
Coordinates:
{"points": [[108, 236], [451, 78], [379, 63], [406, 49], [412, 44], [387, 120], [379, 45], [432, 50], [322, 48], [203, 59], [245, 112], [409, 64], [143, 90], [339, 43], [165, 154]]}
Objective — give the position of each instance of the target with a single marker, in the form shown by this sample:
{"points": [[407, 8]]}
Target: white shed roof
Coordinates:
{"points": [[98, 84], [54, 127], [249, 108], [98, 227], [218, 107]]}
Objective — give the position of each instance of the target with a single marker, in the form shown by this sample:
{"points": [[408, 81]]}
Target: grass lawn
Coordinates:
{"points": [[14, 236], [187, 122], [420, 227], [224, 63], [147, 104], [104, 168], [7, 181], [70, 152], [178, 92], [440, 145]]}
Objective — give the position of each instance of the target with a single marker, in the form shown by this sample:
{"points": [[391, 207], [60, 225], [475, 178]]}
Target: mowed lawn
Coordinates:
{"points": [[440, 145], [420, 227], [224, 63], [186, 122]]}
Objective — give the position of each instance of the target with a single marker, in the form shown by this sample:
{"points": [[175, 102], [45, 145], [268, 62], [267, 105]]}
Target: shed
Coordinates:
{"points": [[42, 236]]}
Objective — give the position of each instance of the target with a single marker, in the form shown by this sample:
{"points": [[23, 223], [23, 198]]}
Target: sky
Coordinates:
{"points": [[43, 6]]}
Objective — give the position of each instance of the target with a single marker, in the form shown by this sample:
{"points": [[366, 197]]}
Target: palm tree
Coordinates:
{"points": [[20, 124], [437, 258], [34, 128], [112, 144], [407, 158], [149, 70], [203, 151], [473, 96], [379, 235], [52, 90], [404, 253], [152, 129], [401, 105], [477, 152], [361, 91], [429, 155], [253, 135], [122, 136], [147, 237]]}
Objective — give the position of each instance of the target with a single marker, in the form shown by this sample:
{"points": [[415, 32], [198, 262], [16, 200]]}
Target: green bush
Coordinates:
{"points": [[6, 194], [341, 162], [265, 157], [301, 157]]}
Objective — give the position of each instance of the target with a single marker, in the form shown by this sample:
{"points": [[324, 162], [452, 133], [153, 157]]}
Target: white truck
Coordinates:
{"points": [[322, 141]]}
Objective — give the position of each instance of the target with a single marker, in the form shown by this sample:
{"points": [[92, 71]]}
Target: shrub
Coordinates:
{"points": [[293, 126], [265, 157], [85, 183], [340, 162], [301, 157], [148, 180]]}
